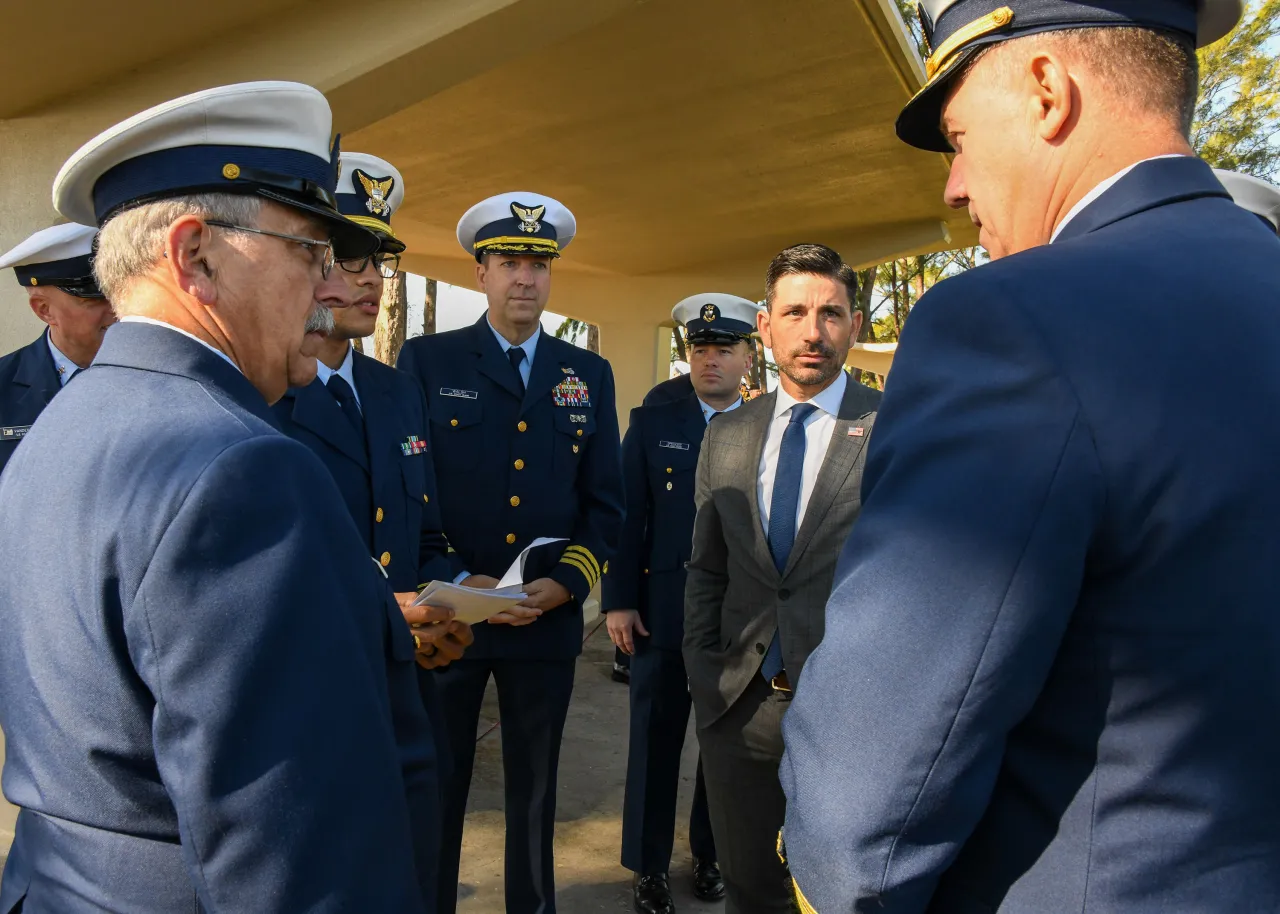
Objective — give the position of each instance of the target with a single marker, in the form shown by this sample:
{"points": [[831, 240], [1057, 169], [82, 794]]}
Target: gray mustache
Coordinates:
{"points": [[320, 320]]}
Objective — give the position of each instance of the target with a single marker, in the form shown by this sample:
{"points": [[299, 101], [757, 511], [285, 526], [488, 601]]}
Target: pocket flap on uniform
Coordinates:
{"points": [[572, 420], [455, 412]]}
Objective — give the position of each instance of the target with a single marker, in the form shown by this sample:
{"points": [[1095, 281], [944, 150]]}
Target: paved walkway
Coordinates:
{"points": [[593, 766]]}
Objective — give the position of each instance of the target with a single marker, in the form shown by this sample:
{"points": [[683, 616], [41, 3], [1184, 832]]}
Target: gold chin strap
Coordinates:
{"points": [[992, 22]]}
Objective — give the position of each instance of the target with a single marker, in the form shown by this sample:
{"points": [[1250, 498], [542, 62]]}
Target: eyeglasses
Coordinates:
{"points": [[388, 264], [326, 261]]}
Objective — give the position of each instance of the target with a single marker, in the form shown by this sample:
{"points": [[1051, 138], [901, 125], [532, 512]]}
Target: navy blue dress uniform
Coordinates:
{"points": [[1053, 631], [29, 377], [203, 680], [371, 434], [518, 459], [1262, 198], [677, 388], [659, 460]]}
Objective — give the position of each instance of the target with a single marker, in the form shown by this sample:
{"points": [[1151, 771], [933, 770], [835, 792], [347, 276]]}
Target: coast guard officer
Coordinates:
{"points": [[526, 445], [1262, 198], [206, 687], [643, 594], [1053, 631], [367, 422], [54, 267]]}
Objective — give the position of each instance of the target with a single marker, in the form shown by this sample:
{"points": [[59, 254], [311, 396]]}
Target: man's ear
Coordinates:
{"points": [[39, 303], [481, 271], [1053, 97], [190, 258], [762, 325]]}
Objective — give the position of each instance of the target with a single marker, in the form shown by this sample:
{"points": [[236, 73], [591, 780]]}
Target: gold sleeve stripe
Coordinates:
{"points": [[801, 902], [586, 553], [581, 566]]}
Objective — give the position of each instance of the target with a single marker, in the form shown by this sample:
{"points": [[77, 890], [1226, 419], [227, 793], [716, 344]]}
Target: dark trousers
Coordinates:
{"points": [[741, 753], [533, 701], [659, 718]]}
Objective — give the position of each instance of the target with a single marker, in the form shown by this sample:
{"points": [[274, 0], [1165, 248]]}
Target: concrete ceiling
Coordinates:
{"points": [[693, 139]]}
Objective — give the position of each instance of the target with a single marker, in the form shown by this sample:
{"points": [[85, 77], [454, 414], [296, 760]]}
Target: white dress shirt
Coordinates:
{"points": [[66, 367], [345, 371], [817, 438], [709, 411], [138, 319], [529, 346], [1098, 191]]}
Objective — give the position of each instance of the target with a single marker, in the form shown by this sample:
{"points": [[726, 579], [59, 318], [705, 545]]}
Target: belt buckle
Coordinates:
{"points": [[781, 683]]}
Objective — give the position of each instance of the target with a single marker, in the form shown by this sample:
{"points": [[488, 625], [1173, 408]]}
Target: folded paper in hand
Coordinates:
{"points": [[476, 604]]}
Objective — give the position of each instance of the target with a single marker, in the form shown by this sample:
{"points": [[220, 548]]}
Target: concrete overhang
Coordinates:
{"points": [[692, 138]]}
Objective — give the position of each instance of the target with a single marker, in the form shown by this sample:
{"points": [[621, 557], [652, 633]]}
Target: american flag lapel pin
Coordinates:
{"points": [[856, 431]]}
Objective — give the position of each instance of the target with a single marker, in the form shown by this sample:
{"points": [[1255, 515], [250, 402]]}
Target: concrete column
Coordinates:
{"points": [[640, 354], [32, 150]]}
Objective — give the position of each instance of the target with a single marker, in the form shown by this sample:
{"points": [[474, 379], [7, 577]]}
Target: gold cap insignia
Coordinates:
{"points": [[378, 191], [528, 216], [710, 312]]}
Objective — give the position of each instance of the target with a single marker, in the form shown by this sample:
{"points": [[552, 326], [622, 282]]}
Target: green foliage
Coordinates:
{"points": [[1237, 123]]}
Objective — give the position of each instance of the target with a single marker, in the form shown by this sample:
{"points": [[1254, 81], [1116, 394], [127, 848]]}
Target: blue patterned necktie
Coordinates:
{"points": [[346, 398], [782, 511], [516, 355]]}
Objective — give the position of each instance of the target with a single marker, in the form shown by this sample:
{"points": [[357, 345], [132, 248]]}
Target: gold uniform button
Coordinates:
{"points": [[378, 515], [511, 538], [453, 422], [426, 499], [668, 469], [515, 501], [522, 426], [519, 464], [579, 433], [386, 559], [668, 487]]}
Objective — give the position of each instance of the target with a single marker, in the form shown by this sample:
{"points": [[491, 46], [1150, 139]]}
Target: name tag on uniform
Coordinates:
{"points": [[577, 417], [13, 432], [675, 445], [463, 394]]}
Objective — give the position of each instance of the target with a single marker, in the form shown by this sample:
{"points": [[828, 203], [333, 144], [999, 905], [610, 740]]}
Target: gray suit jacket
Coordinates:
{"points": [[734, 596]]}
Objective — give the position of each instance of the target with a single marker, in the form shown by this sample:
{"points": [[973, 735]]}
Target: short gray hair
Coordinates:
{"points": [[130, 244]]}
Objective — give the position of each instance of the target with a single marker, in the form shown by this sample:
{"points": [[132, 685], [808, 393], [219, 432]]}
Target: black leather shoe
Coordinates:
{"points": [[708, 884], [621, 674], [652, 895]]}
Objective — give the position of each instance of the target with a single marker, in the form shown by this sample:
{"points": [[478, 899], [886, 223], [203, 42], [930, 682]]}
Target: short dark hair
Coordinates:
{"points": [[810, 260]]}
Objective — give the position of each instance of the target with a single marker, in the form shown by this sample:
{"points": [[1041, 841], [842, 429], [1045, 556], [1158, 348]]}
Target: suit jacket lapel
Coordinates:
{"points": [[315, 409], [493, 362], [547, 372], [379, 418], [751, 473], [1148, 185], [38, 373], [841, 457]]}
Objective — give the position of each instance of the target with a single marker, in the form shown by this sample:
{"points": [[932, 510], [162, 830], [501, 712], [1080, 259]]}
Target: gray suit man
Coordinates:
{"points": [[777, 493]]}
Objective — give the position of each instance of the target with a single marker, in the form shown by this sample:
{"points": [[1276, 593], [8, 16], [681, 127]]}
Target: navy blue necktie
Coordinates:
{"points": [[516, 355], [782, 511], [346, 398]]}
